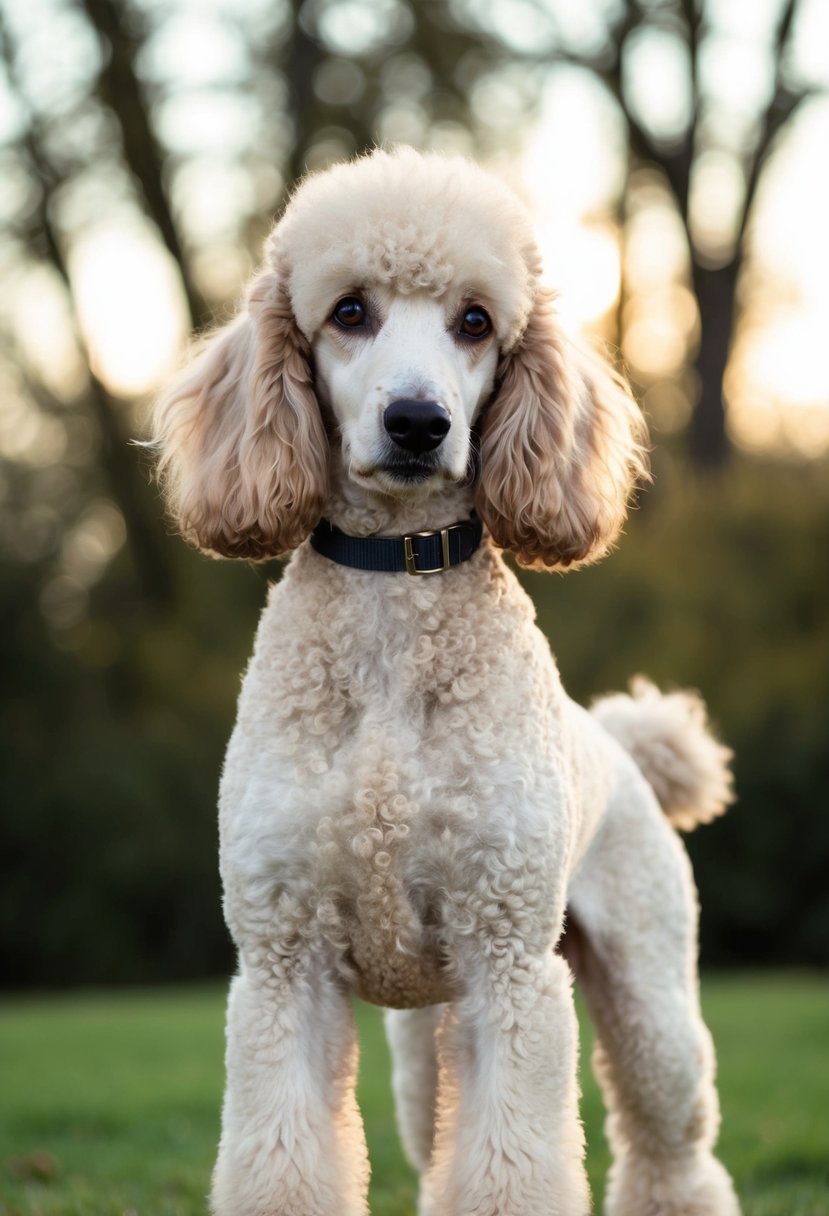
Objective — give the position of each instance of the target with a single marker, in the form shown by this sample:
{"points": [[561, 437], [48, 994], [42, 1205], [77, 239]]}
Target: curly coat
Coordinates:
{"points": [[410, 803]]}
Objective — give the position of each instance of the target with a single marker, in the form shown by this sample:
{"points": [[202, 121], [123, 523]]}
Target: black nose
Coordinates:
{"points": [[416, 426]]}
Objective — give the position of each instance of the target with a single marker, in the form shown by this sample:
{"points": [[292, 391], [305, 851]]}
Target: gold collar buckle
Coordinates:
{"points": [[409, 553]]}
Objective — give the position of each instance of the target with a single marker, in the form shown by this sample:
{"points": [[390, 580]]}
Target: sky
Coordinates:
{"points": [[567, 165]]}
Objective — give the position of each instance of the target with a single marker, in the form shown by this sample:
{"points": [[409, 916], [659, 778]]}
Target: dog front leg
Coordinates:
{"points": [[292, 1138], [508, 1139]]}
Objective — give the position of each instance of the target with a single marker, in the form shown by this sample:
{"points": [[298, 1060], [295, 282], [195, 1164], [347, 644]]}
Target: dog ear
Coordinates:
{"points": [[243, 453], [562, 444]]}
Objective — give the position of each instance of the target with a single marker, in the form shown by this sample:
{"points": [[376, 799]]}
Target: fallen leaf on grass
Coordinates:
{"points": [[38, 1166]]}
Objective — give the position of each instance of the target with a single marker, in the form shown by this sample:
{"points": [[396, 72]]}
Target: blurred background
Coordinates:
{"points": [[674, 155]]}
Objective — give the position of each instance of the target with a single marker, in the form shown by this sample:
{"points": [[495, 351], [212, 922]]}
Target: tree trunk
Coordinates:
{"points": [[128, 484], [715, 290], [120, 89], [303, 55]]}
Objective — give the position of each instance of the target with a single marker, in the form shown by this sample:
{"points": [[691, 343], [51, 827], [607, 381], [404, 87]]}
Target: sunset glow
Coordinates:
{"points": [[571, 168], [130, 306]]}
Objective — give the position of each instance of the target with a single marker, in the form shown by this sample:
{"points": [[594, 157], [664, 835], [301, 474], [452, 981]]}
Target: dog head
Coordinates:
{"points": [[397, 329]]}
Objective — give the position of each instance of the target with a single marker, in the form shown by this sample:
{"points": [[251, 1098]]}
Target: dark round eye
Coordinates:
{"points": [[475, 323], [350, 312]]}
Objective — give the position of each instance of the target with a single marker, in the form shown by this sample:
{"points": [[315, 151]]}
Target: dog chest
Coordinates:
{"points": [[401, 785], [400, 851]]}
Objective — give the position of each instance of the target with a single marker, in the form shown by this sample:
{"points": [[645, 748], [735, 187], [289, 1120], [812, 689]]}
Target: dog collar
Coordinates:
{"points": [[416, 553]]}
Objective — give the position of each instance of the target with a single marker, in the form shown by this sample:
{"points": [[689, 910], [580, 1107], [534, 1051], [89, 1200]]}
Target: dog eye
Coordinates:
{"points": [[349, 312], [475, 323]]}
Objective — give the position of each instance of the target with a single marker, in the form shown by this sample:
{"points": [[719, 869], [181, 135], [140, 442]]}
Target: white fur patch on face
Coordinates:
{"points": [[408, 349]]}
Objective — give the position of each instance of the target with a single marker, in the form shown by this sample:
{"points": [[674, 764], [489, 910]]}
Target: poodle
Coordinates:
{"points": [[410, 804]]}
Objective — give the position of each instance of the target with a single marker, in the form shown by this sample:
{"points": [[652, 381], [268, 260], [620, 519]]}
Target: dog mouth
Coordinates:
{"points": [[409, 470], [401, 480], [396, 472], [416, 474], [398, 469]]}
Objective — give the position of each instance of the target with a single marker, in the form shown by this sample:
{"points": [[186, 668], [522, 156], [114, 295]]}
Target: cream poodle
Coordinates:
{"points": [[410, 804]]}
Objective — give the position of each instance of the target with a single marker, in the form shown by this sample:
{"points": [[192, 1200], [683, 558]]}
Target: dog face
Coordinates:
{"points": [[396, 326], [405, 378]]}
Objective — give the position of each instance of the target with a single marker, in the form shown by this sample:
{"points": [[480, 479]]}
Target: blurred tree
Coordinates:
{"points": [[679, 150], [182, 128], [117, 463], [123, 33], [408, 76]]}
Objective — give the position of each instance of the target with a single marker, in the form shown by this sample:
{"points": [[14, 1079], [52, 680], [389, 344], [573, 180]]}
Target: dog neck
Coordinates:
{"points": [[359, 513]]}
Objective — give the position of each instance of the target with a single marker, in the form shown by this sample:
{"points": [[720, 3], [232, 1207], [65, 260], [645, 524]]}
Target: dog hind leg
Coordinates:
{"points": [[634, 910], [411, 1038]]}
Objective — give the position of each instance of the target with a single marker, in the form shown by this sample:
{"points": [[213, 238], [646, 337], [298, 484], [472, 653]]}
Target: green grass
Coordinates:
{"points": [[109, 1103]]}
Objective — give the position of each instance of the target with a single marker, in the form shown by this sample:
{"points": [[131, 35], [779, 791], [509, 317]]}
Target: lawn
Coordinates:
{"points": [[109, 1102]]}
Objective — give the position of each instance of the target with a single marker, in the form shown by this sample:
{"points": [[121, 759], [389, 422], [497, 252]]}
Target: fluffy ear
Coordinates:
{"points": [[562, 444], [243, 453]]}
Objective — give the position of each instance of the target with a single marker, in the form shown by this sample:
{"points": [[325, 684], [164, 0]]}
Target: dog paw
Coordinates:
{"points": [[646, 1187]]}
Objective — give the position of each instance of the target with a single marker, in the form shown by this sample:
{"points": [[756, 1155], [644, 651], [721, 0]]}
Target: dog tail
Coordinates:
{"points": [[669, 737]]}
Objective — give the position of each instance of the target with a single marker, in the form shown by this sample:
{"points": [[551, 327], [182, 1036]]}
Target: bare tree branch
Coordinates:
{"points": [[121, 91], [126, 484], [781, 109]]}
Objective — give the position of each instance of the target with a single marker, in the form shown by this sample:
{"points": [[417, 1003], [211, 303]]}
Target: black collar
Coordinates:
{"points": [[417, 553]]}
